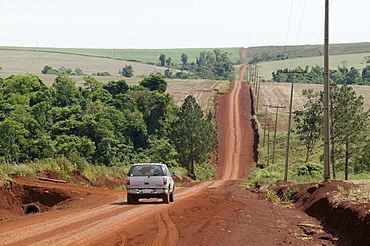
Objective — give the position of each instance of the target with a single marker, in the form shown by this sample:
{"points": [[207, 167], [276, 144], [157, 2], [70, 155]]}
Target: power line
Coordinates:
{"points": [[299, 30], [287, 33]]}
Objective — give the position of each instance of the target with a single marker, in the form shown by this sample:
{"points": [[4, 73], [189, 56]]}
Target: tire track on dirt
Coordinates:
{"points": [[167, 230], [231, 161]]}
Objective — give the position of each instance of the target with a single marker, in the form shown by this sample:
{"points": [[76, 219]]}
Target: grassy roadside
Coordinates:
{"points": [[298, 170]]}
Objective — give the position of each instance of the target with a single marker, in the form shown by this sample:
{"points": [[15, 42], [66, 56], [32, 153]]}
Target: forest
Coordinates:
{"points": [[111, 124]]}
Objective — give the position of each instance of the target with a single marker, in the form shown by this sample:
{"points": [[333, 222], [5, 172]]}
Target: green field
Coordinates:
{"points": [[150, 56]]}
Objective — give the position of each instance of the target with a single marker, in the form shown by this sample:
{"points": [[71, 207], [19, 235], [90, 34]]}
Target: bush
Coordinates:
{"points": [[205, 171], [265, 176], [310, 168]]}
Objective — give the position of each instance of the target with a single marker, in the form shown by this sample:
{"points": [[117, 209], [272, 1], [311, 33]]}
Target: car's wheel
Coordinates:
{"points": [[136, 199], [130, 199], [172, 195], [166, 198]]}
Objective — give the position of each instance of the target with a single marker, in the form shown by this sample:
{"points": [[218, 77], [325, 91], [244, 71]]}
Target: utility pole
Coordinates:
{"points": [[268, 143], [264, 129], [326, 97], [258, 91], [256, 79], [276, 120], [289, 126]]}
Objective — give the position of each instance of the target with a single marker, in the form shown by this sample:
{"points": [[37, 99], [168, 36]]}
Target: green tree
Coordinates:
{"points": [[23, 84], [40, 148], [162, 150], [168, 73], [354, 76], [117, 87], [78, 71], [102, 95], [155, 82], [366, 74], [169, 62], [66, 92], [309, 121], [348, 123], [12, 139], [193, 135], [67, 145], [49, 70], [184, 60], [91, 83], [162, 59], [127, 71]]}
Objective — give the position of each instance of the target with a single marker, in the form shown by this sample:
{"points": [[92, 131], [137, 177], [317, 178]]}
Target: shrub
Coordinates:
{"points": [[310, 168], [265, 176]]}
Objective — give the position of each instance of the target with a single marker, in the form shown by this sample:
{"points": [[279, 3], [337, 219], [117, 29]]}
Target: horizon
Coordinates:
{"points": [[158, 48]]}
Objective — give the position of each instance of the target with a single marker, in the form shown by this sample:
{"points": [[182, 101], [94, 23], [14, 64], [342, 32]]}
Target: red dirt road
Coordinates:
{"points": [[216, 212]]}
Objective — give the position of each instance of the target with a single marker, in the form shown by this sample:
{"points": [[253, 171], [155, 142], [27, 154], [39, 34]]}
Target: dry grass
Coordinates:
{"points": [[356, 195]]}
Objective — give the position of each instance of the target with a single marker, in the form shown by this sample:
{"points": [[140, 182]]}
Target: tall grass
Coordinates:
{"points": [[273, 172], [63, 167]]}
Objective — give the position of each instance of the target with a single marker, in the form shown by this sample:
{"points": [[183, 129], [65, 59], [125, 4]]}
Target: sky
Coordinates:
{"points": [[179, 24]]}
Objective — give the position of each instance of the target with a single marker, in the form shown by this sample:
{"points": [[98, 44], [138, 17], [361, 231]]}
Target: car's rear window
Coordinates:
{"points": [[146, 170]]}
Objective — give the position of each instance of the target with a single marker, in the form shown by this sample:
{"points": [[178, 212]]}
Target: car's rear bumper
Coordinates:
{"points": [[148, 192]]}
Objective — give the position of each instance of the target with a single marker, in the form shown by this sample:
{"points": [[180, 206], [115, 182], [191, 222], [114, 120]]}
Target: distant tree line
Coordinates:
{"points": [[315, 75], [265, 57], [62, 70], [127, 71], [104, 124], [208, 65]]}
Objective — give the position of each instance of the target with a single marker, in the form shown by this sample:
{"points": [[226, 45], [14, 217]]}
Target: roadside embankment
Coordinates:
{"points": [[343, 208]]}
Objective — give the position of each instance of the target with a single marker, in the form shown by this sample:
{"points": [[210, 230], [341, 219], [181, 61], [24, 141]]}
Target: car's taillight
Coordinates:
{"points": [[165, 181], [128, 181]]}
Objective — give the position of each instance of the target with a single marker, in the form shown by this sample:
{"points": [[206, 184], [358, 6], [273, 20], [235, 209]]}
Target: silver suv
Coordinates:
{"points": [[149, 180]]}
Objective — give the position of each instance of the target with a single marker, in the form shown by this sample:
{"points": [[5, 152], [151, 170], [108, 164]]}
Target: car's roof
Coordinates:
{"points": [[149, 163]]}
